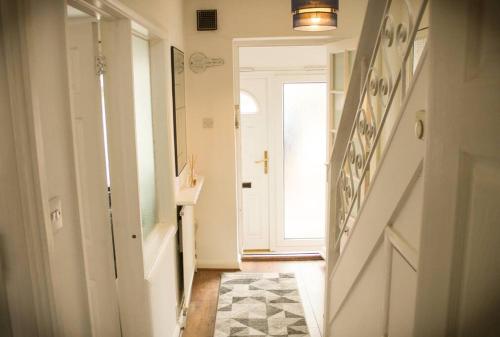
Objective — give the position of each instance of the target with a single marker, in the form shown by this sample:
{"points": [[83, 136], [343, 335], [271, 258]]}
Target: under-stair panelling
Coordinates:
{"points": [[368, 278]]}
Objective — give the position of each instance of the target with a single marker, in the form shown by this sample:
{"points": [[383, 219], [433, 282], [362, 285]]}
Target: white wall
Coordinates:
{"points": [[51, 99], [17, 312], [166, 14], [282, 57], [210, 94]]}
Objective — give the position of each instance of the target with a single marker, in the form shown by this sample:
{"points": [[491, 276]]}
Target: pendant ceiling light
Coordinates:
{"points": [[315, 15]]}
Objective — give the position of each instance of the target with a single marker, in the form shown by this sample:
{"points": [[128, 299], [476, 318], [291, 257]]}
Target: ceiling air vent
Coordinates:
{"points": [[206, 19]]}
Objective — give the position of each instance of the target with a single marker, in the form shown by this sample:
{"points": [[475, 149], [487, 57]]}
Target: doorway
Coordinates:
{"points": [[121, 120], [283, 118]]}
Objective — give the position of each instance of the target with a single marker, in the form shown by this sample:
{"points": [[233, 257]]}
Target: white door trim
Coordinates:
{"points": [[115, 9], [275, 80], [237, 136], [259, 42]]}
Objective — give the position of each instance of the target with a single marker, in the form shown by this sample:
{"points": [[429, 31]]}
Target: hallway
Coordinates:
{"points": [[202, 309]]}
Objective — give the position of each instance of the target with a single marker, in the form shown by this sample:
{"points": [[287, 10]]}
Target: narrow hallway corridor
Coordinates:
{"points": [[310, 277]]}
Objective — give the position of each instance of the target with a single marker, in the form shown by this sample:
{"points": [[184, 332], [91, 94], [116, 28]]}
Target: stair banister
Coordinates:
{"points": [[387, 43], [368, 37]]}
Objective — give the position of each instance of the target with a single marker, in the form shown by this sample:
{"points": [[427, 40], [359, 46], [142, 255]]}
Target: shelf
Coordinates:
{"points": [[189, 195]]}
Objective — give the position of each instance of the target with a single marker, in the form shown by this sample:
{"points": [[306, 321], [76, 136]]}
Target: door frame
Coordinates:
{"points": [[256, 42], [24, 69], [136, 256], [22, 63]]}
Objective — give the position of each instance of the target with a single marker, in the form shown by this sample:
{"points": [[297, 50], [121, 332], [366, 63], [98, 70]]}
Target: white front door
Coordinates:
{"points": [[255, 169], [283, 151]]}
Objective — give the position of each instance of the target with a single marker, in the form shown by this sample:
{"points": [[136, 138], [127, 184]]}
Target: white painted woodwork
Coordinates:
{"points": [[254, 141], [187, 195], [365, 281], [263, 204], [39, 97], [89, 141], [160, 257], [134, 310], [335, 51], [364, 50], [459, 268], [162, 282], [238, 150], [35, 39], [16, 293], [365, 301], [403, 287], [188, 233], [144, 263]]}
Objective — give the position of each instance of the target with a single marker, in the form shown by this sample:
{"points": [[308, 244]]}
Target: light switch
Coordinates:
{"points": [[55, 214], [208, 123]]}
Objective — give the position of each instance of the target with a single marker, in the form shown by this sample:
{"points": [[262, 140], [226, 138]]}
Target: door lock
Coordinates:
{"points": [[265, 161]]}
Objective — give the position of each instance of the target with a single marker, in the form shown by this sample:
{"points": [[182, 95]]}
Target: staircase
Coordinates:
{"points": [[376, 177]]}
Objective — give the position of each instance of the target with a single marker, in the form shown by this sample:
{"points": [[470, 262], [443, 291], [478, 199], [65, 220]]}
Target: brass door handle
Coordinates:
{"points": [[265, 161]]}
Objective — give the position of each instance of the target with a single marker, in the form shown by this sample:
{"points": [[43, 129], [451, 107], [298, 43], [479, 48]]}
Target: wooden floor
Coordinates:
{"points": [[310, 278]]}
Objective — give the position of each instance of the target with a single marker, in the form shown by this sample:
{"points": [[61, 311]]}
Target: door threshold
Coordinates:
{"points": [[279, 256]]}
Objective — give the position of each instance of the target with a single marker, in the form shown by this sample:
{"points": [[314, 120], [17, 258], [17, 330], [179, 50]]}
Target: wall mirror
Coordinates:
{"points": [[178, 87]]}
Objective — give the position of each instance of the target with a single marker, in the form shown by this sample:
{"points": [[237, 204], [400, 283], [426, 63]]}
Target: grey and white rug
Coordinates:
{"points": [[256, 305]]}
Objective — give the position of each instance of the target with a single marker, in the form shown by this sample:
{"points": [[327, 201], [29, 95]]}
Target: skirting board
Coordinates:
{"points": [[217, 264]]}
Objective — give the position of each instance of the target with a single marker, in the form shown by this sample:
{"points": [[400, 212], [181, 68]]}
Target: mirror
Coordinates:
{"points": [[178, 87]]}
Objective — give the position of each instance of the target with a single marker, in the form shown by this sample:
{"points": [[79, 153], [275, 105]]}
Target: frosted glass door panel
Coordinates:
{"points": [[144, 133], [304, 118]]}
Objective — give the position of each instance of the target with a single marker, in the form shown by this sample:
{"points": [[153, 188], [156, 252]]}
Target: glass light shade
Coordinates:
{"points": [[315, 15], [314, 21], [332, 5]]}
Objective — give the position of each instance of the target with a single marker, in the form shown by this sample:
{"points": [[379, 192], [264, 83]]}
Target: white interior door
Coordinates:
{"points": [[459, 269], [255, 177], [93, 181], [298, 134], [124, 171]]}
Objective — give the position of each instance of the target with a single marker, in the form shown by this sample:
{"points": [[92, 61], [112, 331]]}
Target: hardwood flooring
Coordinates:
{"points": [[202, 309]]}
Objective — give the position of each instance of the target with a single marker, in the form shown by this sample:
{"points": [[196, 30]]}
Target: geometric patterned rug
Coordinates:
{"points": [[259, 305]]}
